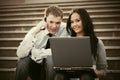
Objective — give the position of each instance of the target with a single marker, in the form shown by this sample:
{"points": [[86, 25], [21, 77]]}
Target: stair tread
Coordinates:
{"points": [[31, 18], [96, 30], [13, 69], [40, 13], [15, 25], [60, 3], [16, 58], [11, 48], [69, 8], [111, 38], [106, 47]]}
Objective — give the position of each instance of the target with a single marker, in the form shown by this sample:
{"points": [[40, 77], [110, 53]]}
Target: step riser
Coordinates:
{"points": [[108, 34], [9, 43], [113, 52], [20, 22], [12, 53], [94, 19], [111, 42], [15, 28], [10, 75], [8, 53], [112, 64], [21, 28], [15, 43], [8, 63], [111, 76], [21, 35]]}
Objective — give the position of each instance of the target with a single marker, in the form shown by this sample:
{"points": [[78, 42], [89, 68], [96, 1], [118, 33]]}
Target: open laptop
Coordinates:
{"points": [[71, 53]]}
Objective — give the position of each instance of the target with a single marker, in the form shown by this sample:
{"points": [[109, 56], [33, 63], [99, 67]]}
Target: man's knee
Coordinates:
{"points": [[23, 62]]}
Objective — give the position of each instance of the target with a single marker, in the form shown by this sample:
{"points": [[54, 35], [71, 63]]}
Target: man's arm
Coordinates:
{"points": [[26, 45], [28, 42]]}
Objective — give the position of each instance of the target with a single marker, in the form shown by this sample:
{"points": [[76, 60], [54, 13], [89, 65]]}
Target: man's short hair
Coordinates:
{"points": [[54, 10]]}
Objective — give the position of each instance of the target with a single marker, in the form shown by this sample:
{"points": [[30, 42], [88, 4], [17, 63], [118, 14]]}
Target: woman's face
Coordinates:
{"points": [[76, 23]]}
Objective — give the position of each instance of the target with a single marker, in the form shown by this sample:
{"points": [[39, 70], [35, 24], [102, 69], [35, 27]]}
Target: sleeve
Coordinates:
{"points": [[26, 45], [38, 54], [101, 57]]}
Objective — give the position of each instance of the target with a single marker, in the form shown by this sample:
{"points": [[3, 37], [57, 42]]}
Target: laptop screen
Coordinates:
{"points": [[71, 52]]}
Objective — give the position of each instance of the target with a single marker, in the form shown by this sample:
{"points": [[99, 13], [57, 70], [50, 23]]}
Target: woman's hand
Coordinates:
{"points": [[100, 73]]}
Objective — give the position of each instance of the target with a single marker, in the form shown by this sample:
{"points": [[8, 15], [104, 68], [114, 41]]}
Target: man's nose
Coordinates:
{"points": [[54, 26]]}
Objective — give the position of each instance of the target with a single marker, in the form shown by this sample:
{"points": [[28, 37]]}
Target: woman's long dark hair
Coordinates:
{"points": [[88, 28]]}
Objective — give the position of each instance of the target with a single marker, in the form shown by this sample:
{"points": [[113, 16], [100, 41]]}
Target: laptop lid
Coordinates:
{"points": [[70, 52]]}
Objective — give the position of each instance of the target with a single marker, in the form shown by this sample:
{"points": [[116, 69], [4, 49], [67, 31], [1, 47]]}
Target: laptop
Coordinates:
{"points": [[71, 53]]}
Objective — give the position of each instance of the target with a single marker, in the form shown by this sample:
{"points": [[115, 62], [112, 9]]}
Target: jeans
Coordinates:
{"points": [[73, 76], [27, 67]]}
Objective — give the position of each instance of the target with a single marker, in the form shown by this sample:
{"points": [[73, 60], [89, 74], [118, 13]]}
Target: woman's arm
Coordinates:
{"points": [[101, 63]]}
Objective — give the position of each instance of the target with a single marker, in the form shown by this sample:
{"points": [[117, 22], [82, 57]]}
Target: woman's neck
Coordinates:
{"points": [[80, 34]]}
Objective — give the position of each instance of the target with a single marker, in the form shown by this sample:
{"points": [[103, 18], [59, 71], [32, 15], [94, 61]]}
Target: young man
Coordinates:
{"points": [[33, 50]]}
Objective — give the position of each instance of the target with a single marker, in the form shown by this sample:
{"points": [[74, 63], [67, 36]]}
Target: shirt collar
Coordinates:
{"points": [[47, 32]]}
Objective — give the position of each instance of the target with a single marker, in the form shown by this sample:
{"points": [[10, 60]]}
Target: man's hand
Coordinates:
{"points": [[40, 26]]}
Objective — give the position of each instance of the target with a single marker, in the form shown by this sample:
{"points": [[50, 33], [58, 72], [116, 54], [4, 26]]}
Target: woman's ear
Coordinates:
{"points": [[45, 19]]}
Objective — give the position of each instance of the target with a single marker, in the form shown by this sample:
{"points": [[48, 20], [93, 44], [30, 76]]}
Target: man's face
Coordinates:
{"points": [[53, 23]]}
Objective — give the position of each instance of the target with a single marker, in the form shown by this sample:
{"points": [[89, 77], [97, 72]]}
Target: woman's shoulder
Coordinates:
{"points": [[100, 41]]}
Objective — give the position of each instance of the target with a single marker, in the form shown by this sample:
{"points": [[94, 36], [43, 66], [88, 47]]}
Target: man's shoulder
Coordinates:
{"points": [[63, 24]]}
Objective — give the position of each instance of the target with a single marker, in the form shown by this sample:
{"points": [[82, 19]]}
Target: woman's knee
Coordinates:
{"points": [[87, 77]]}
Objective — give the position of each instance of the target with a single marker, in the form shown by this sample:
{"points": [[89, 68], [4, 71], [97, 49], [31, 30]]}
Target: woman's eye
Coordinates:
{"points": [[77, 20]]}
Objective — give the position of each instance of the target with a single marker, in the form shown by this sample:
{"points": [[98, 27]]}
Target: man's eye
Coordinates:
{"points": [[58, 22], [71, 21], [51, 21]]}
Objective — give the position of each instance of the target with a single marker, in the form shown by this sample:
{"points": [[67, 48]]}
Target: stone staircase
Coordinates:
{"points": [[17, 19]]}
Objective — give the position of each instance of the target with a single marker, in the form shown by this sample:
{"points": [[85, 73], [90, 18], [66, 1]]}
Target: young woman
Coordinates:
{"points": [[79, 24]]}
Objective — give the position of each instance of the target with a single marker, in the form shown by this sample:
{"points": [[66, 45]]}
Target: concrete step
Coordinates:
{"points": [[111, 41], [94, 17], [16, 27], [113, 63], [14, 42], [25, 26], [111, 51], [93, 13], [90, 8], [21, 34], [9, 74], [37, 19], [112, 75], [107, 32], [10, 62], [8, 51], [59, 3]]}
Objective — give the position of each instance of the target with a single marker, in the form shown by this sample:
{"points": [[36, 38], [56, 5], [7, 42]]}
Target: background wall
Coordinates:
{"points": [[44, 1], [11, 1], [32, 1]]}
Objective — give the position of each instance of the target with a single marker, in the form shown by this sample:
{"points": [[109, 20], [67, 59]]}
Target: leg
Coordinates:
{"points": [[61, 76], [35, 70], [22, 69], [87, 76], [49, 68]]}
